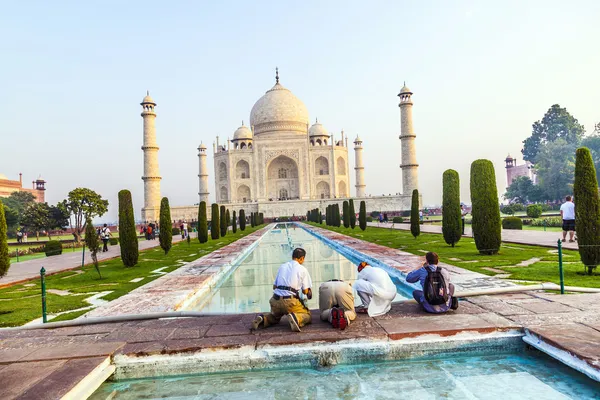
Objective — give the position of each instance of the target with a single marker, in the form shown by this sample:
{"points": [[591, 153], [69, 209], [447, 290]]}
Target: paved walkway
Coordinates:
{"points": [[28, 270], [534, 238]]}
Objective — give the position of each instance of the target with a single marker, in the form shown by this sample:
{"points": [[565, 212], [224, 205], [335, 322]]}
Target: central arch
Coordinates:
{"points": [[243, 194], [242, 170], [323, 191], [322, 166], [282, 179]]}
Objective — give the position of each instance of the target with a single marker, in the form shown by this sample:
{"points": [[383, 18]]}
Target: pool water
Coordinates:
{"points": [[249, 288], [526, 375]]}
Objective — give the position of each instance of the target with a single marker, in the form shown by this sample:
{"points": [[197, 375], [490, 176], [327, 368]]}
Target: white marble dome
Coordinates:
{"points": [[277, 110], [317, 130], [148, 99], [242, 133]]}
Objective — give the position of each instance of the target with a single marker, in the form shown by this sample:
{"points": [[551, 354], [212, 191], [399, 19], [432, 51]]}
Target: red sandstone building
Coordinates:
{"points": [[8, 186]]}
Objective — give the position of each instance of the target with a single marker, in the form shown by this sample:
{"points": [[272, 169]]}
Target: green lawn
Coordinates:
{"points": [[465, 255], [22, 303]]}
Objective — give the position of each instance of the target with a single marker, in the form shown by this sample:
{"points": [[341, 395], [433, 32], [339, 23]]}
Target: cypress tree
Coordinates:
{"points": [[92, 243], [4, 258], [415, 228], [214, 221], [308, 216], [362, 215], [223, 220], [165, 236], [338, 220], [346, 210], [127, 231], [202, 223], [451, 214], [255, 219], [234, 223], [320, 217], [587, 210], [252, 220], [352, 213], [261, 218], [486, 223], [227, 217], [242, 220]]}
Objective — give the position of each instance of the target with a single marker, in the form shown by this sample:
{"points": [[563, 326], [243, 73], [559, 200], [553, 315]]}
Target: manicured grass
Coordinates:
{"points": [[33, 256], [465, 255], [22, 303]]}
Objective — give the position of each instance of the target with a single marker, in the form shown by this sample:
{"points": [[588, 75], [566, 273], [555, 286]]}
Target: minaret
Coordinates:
{"points": [[203, 174], [359, 167], [151, 176], [410, 168]]}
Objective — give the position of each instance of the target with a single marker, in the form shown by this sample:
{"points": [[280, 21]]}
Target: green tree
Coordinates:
{"points": [[17, 202], [346, 211], [362, 216], [486, 223], [555, 169], [556, 124], [214, 221], [36, 217], [234, 223], [227, 217], [534, 211], [202, 223], [59, 218], [520, 190], [11, 216], [242, 220], [587, 210], [4, 258], [127, 232], [415, 223], [261, 218], [352, 213], [165, 236], [592, 142], [451, 214], [92, 243], [223, 220], [83, 203]]}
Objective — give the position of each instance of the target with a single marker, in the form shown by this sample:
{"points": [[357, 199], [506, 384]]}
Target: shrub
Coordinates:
{"points": [[92, 243], [234, 223], [362, 216], [587, 211], [415, 228], [534, 211], [4, 257], [374, 214], [214, 221], [113, 241], [202, 223], [175, 231], [548, 221], [223, 221], [512, 223], [346, 211], [352, 213], [242, 220], [397, 220], [486, 226], [127, 231], [451, 213], [165, 236], [369, 219], [517, 207], [54, 247], [507, 210]]}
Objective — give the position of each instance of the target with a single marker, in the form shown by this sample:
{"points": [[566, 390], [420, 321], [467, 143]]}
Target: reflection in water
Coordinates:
{"points": [[249, 288]]}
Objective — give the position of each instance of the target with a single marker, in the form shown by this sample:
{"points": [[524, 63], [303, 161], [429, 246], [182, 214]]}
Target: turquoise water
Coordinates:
{"points": [[249, 288], [527, 375]]}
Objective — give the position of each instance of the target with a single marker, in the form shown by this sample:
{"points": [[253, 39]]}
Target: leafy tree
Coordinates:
{"points": [[234, 223], [451, 214], [362, 216], [127, 231], [202, 223], [214, 221], [36, 217], [556, 124], [11, 216], [83, 203], [165, 237], [415, 223], [346, 211], [242, 220], [18, 202], [92, 243], [486, 223], [534, 211], [555, 169], [352, 213], [507, 210], [223, 220], [59, 218], [587, 210], [4, 258], [592, 142], [520, 190]]}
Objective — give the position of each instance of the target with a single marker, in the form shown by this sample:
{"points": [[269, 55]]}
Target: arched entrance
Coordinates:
{"points": [[323, 191], [342, 192], [243, 194], [282, 179]]}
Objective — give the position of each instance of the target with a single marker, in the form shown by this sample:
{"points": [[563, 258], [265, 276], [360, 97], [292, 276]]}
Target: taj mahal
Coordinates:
{"points": [[281, 165]]}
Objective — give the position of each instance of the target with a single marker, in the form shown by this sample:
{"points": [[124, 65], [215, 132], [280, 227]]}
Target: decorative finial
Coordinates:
{"points": [[404, 83], [316, 120], [276, 75], [242, 122], [147, 93]]}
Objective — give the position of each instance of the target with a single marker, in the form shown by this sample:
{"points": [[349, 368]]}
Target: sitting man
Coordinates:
{"points": [[291, 281], [375, 289], [336, 303], [436, 296]]}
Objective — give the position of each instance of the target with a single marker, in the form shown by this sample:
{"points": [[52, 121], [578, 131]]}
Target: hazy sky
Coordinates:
{"points": [[72, 77]]}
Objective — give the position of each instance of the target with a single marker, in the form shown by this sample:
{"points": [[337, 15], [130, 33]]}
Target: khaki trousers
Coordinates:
{"points": [[282, 307], [336, 293]]}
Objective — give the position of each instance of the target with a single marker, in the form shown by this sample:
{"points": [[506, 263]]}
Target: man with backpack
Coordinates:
{"points": [[105, 236], [437, 294]]}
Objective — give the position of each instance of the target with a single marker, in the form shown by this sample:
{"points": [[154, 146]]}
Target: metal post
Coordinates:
{"points": [[17, 254], [83, 255], [43, 277], [560, 268], [545, 224]]}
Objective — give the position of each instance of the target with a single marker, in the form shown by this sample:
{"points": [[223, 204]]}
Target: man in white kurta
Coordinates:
{"points": [[375, 289]]}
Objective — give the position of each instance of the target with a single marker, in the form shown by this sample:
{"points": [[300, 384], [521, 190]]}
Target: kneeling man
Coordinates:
{"points": [[375, 289], [336, 303], [437, 294]]}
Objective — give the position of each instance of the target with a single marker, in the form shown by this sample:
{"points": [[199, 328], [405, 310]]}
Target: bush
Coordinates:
{"points": [[397, 220], [53, 248], [214, 221], [369, 219], [486, 225], [374, 214], [352, 213], [362, 216], [507, 210], [165, 236], [587, 212], [451, 212], [4, 258], [202, 223], [127, 231], [534, 211], [547, 221], [415, 228], [223, 221], [242, 220], [113, 241], [517, 207], [512, 223], [234, 223], [175, 231]]}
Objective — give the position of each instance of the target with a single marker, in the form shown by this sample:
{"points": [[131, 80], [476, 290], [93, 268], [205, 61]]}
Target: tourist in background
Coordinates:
{"points": [[336, 303], [375, 289], [567, 212], [185, 229], [437, 294], [463, 214], [105, 236]]}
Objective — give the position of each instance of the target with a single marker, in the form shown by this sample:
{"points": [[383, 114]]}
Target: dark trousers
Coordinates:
{"points": [[463, 226], [105, 248]]}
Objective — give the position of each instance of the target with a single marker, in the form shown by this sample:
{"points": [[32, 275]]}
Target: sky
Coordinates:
{"points": [[73, 74]]}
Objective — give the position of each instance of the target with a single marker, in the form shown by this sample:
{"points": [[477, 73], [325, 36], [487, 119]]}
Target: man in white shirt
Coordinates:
{"points": [[375, 289], [292, 281], [567, 212]]}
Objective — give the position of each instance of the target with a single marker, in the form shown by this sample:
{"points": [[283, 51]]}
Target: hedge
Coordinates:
{"points": [[512, 223], [451, 213], [175, 231], [53, 248], [127, 231], [486, 224], [587, 211], [397, 220]]}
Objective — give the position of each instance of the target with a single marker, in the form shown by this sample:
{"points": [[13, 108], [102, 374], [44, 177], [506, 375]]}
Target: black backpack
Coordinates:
{"points": [[434, 288]]}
